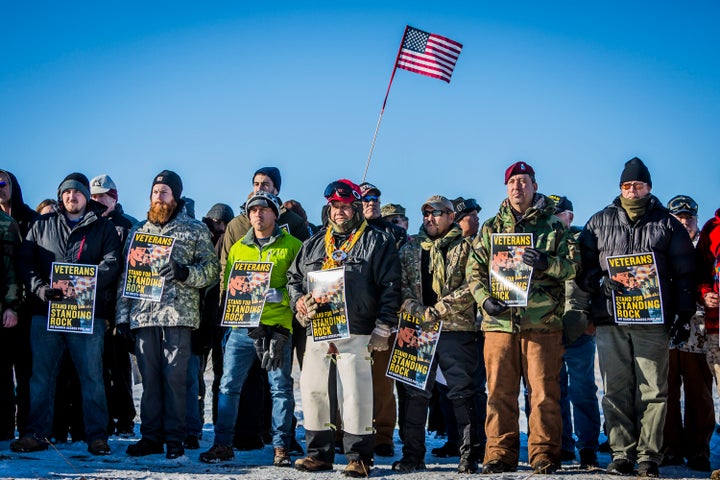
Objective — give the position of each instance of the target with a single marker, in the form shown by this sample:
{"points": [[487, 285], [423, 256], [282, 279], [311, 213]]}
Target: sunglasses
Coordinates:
{"points": [[633, 185], [3, 184], [434, 213], [397, 220], [371, 198], [341, 190]]}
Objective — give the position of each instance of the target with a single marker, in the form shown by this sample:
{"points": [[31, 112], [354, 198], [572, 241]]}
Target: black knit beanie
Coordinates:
{"points": [[172, 180], [635, 170], [271, 172], [75, 180]]}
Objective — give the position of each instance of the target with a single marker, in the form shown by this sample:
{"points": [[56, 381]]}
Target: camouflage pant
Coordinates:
{"points": [[713, 357]]}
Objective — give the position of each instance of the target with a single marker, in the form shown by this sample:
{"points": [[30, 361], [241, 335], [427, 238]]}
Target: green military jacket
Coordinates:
{"points": [[455, 306], [546, 297]]}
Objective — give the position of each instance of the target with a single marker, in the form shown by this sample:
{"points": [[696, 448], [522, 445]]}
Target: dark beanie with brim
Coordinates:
{"points": [[76, 181], [635, 171], [172, 180]]}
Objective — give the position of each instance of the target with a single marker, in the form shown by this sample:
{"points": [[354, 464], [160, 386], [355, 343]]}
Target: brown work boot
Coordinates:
{"points": [[312, 464], [29, 443], [357, 469], [282, 458]]}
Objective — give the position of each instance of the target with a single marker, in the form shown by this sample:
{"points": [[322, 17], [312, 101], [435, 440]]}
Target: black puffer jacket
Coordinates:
{"points": [[93, 241], [372, 278], [398, 233], [610, 232]]}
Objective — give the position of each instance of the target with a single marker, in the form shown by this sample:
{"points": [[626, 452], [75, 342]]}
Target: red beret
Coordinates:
{"points": [[518, 168]]}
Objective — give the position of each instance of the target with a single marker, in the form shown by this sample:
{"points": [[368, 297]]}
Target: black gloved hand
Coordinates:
{"points": [[680, 328], [536, 259], [174, 271], [48, 294], [493, 306], [126, 336], [259, 335], [273, 358], [609, 286]]}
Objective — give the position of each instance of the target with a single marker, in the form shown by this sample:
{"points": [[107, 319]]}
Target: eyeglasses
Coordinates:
{"points": [[633, 185], [341, 190], [371, 198], [434, 213]]}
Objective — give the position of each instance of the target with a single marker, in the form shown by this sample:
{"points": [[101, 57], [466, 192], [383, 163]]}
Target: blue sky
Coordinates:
{"points": [[217, 90]]}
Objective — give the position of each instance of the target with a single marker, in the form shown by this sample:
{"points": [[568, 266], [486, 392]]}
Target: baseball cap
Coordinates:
{"points": [[102, 184], [682, 204]]}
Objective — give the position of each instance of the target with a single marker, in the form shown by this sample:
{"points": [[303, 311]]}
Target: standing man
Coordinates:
{"points": [[75, 233], [9, 302], [434, 287], [372, 292], [12, 204], [524, 342], [162, 329], [116, 359], [687, 433], [270, 341], [577, 376], [384, 403], [634, 357], [395, 214]]}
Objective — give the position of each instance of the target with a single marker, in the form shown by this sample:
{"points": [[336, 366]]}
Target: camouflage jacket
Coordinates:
{"points": [[546, 298], [455, 306], [9, 287], [179, 305]]}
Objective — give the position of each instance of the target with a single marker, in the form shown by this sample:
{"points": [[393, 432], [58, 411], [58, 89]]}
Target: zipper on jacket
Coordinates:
{"points": [[82, 244]]}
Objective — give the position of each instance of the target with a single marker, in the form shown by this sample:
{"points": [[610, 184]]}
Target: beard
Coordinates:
{"points": [[160, 212]]}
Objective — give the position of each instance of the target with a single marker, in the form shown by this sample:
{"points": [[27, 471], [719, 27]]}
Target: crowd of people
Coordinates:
{"points": [[57, 383]]}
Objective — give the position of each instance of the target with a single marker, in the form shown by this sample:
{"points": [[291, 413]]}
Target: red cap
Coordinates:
{"points": [[343, 191], [519, 168]]}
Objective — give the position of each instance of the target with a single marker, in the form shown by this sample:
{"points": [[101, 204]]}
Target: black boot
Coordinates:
{"points": [[413, 451], [466, 418]]}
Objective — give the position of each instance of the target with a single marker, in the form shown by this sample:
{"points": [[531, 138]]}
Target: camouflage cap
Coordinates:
{"points": [[438, 202], [390, 209]]}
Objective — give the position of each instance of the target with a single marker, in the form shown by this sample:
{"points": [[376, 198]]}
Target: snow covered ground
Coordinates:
{"points": [[72, 461]]}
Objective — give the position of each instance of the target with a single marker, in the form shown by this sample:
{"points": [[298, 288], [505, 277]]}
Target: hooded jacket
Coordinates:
{"points": [[546, 296], [179, 305], [610, 232], [708, 249], [9, 244], [52, 238], [22, 214]]}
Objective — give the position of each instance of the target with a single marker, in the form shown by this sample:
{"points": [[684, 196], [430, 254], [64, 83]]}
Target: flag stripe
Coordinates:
{"points": [[428, 54]]}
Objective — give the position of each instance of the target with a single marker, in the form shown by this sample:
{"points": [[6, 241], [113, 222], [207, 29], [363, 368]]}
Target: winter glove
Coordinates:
{"points": [[494, 307], [536, 259], [48, 294], [680, 328], [259, 334], [273, 358], [609, 286], [174, 271], [126, 336], [311, 307], [274, 295], [379, 338], [430, 318], [413, 307]]}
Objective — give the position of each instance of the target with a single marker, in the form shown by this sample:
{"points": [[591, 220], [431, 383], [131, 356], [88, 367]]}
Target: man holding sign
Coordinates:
{"points": [[74, 234], [270, 340], [523, 340], [634, 356]]}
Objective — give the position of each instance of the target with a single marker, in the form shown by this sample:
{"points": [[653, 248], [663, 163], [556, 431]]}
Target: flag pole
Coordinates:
{"points": [[382, 110]]}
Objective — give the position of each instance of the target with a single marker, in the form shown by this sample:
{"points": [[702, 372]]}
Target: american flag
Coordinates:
{"points": [[428, 54]]}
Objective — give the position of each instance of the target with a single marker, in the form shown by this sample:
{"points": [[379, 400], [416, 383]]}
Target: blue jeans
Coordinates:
{"points": [[86, 352], [577, 386], [238, 358], [193, 416]]}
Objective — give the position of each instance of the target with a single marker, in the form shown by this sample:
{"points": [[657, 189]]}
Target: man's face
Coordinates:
{"points": [[5, 189], [238, 284], [137, 255], [74, 201], [161, 194], [262, 218], [635, 189], [690, 222], [263, 183], [371, 205], [437, 226], [521, 189], [566, 216], [399, 220], [105, 199], [341, 212], [470, 224]]}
